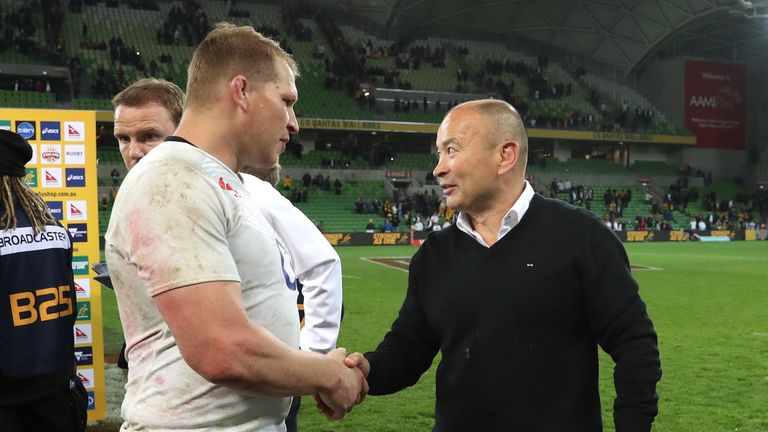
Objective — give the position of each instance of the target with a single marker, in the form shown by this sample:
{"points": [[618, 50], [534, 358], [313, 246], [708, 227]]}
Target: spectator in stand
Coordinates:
{"points": [[395, 219], [337, 186], [702, 226], [418, 225], [370, 227], [387, 226], [434, 220], [287, 182], [115, 174]]}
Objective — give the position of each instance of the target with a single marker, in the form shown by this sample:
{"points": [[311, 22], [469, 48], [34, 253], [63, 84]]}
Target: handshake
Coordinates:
{"points": [[348, 387]]}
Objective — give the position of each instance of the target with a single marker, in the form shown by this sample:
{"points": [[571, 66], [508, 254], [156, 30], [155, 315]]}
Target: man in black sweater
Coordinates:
{"points": [[517, 295]]}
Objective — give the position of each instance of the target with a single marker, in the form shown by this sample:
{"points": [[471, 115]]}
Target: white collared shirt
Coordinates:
{"points": [[510, 220]]}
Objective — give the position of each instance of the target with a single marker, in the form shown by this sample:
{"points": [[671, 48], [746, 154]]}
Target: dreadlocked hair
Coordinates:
{"points": [[14, 189]]}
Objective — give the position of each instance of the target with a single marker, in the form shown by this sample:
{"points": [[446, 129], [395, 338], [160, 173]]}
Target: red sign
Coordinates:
{"points": [[716, 104]]}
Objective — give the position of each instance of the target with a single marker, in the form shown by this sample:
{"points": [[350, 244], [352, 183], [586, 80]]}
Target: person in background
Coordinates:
{"points": [[115, 174], [39, 389], [386, 226]]}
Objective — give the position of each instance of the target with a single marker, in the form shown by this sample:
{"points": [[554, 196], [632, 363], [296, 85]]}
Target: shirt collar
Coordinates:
{"points": [[508, 222]]}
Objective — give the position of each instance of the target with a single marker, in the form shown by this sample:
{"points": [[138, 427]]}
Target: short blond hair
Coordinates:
{"points": [[229, 50]]}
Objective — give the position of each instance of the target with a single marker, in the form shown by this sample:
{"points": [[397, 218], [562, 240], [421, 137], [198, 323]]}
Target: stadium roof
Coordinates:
{"points": [[621, 33]]}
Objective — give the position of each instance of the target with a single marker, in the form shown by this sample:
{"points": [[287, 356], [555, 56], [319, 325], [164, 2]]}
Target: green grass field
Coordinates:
{"points": [[709, 302]]}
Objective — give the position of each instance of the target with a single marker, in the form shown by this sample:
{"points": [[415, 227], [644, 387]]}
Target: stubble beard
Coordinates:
{"points": [[270, 175]]}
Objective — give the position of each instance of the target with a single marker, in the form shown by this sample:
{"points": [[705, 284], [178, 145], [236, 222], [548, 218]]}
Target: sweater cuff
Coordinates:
{"points": [[632, 422]]}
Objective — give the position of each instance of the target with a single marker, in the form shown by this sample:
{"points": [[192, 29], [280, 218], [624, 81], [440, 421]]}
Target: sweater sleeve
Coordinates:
{"points": [[408, 349], [625, 331]]}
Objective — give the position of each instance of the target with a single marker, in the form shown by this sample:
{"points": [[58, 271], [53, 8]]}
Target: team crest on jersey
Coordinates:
{"points": [[224, 185]]}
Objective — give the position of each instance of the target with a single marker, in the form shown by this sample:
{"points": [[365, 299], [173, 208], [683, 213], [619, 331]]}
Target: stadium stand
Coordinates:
{"points": [[337, 212], [26, 99], [581, 166], [95, 37], [348, 73], [639, 114]]}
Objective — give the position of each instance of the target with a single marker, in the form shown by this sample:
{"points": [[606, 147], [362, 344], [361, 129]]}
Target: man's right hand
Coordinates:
{"points": [[358, 360], [349, 390]]}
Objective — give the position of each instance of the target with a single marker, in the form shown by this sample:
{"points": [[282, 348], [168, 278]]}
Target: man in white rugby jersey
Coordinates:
{"points": [[148, 111]]}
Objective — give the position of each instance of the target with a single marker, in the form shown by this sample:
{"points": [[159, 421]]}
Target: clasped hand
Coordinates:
{"points": [[350, 388]]}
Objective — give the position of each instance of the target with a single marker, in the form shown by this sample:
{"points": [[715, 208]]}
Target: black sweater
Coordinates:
{"points": [[518, 326]]}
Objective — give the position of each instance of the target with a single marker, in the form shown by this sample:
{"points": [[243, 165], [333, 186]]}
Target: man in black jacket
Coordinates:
{"points": [[517, 296]]}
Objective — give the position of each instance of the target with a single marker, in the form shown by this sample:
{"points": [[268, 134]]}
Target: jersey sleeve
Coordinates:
{"points": [[172, 224], [316, 265]]}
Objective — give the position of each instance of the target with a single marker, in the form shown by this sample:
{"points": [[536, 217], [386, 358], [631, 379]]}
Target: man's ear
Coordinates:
{"points": [[238, 91], [509, 152]]}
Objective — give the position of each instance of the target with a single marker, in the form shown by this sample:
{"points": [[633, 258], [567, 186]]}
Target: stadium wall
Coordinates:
{"points": [[540, 179], [757, 109], [722, 163], [418, 237], [649, 152], [663, 83], [562, 150]]}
